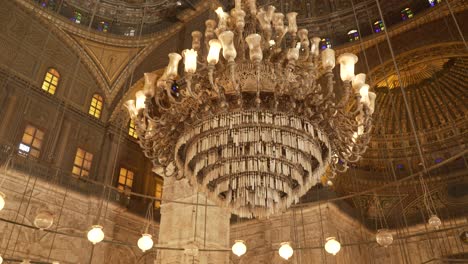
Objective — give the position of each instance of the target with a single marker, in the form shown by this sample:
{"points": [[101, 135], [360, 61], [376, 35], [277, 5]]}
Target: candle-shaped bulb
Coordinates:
{"points": [[364, 92], [293, 53], [148, 88], [372, 97], [358, 82], [252, 6], [347, 62], [172, 67], [132, 111], [303, 35], [196, 40], [328, 59], [190, 60], [213, 54], [140, 100], [229, 50], [315, 46], [254, 42], [292, 24]]}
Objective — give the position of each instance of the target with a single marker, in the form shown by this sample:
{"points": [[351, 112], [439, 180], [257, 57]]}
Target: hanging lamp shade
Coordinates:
{"points": [[434, 222], [44, 220], [384, 237]]}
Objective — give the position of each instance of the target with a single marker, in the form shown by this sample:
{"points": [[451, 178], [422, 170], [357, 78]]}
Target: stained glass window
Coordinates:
{"points": [[353, 35], [31, 142], [95, 108], [406, 13], [77, 17], [325, 43], [103, 26], [434, 2], [51, 80], [378, 26], [130, 32], [82, 163]]}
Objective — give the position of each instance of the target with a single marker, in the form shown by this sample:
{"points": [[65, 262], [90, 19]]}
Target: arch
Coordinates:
{"points": [[51, 81]]}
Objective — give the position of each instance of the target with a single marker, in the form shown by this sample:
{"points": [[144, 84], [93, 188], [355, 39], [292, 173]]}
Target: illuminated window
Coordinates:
{"points": [[353, 35], [51, 80], [103, 26], [132, 129], [51, 4], [95, 108], [31, 142], [158, 191], [325, 43], [434, 2], [82, 163], [125, 179], [378, 26], [76, 17], [406, 13]]}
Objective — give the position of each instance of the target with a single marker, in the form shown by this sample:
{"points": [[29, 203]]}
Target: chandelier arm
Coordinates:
{"points": [[346, 94]]}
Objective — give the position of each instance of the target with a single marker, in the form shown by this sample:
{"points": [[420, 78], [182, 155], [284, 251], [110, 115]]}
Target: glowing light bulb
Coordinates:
{"points": [[2, 200], [95, 235], [286, 251], [332, 246], [239, 248], [145, 242]]}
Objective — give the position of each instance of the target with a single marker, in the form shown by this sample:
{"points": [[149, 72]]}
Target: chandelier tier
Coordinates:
{"points": [[256, 128]]}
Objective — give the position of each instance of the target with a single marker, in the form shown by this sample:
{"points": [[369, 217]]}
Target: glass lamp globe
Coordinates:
{"points": [[434, 222], [1, 260], [44, 220], [332, 246], [384, 237], [145, 242], [239, 248], [286, 251], [95, 235], [55, 262], [2, 200]]}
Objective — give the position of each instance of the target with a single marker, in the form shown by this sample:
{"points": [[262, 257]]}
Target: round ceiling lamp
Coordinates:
{"points": [[384, 237], [95, 235], [2, 200], [44, 220], [286, 251], [1, 260], [434, 222], [145, 242], [332, 246], [239, 248]]}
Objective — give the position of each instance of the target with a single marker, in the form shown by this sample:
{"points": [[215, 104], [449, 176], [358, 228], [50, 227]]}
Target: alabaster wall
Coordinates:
{"points": [[74, 213]]}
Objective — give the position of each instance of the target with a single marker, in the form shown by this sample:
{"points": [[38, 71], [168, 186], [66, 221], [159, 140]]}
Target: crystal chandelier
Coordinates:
{"points": [[256, 128]]}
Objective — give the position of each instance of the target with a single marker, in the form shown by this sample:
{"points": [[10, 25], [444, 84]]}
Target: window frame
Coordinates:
{"points": [[93, 109], [132, 129], [50, 83], [81, 167], [159, 181], [123, 187], [30, 146]]}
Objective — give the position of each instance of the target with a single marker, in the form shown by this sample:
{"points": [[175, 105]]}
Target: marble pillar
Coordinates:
{"points": [[191, 228]]}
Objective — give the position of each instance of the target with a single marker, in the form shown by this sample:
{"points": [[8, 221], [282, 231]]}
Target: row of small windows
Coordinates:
{"points": [[31, 144], [377, 26], [51, 82]]}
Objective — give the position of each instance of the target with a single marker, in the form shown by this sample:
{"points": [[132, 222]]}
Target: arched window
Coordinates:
{"points": [[95, 108], [76, 17], [434, 2], [103, 26], [158, 189], [51, 80], [353, 35], [378, 26], [132, 129], [406, 13], [325, 43]]}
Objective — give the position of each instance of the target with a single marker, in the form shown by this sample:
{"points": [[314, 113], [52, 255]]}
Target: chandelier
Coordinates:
{"points": [[256, 128]]}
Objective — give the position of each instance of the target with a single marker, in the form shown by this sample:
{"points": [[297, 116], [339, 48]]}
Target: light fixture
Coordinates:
{"points": [[286, 251], [332, 246], [145, 242], [434, 222], [44, 219], [1, 260], [55, 262], [259, 125], [2, 200], [95, 235], [384, 237], [239, 248]]}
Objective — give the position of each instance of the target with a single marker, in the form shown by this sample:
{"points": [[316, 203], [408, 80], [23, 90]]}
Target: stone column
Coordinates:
{"points": [[187, 226], [7, 119]]}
